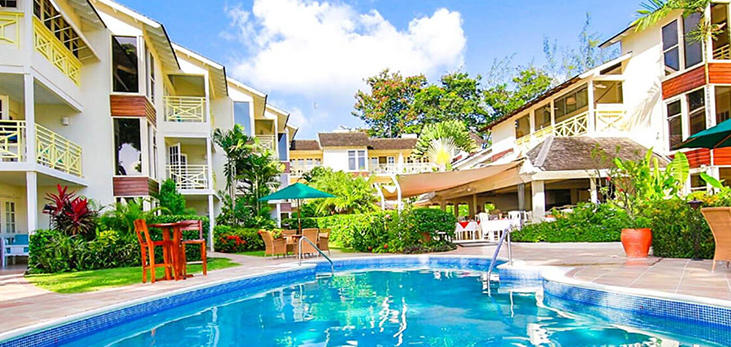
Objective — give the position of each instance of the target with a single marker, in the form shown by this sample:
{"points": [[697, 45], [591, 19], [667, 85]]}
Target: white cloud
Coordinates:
{"points": [[326, 49]]}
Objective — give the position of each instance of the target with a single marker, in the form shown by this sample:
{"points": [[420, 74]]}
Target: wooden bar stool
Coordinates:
{"points": [[147, 247], [201, 241]]}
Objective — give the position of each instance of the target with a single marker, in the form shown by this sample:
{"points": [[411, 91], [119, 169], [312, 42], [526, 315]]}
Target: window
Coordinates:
{"points": [[356, 160], [671, 51], [283, 147], [124, 64], [608, 92], [8, 3], [675, 123], [391, 160], [242, 116], [128, 146], [522, 127], [10, 217], [4, 107], [697, 183], [151, 76], [572, 103], [723, 103], [693, 47], [697, 111], [543, 117], [719, 17]]}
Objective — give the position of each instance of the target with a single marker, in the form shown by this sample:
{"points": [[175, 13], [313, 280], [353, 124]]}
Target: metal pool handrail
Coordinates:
{"points": [[503, 237], [304, 238]]}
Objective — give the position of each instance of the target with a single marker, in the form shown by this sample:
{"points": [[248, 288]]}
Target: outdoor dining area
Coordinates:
{"points": [[489, 227], [289, 242]]}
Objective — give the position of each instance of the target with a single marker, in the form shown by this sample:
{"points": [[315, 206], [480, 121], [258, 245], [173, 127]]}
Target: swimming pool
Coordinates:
{"points": [[369, 302]]}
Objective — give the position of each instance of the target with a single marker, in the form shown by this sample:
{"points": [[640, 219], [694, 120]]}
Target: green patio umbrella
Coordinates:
{"points": [[299, 192], [718, 136]]}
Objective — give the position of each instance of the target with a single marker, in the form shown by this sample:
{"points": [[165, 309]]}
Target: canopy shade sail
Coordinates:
{"points": [[417, 184], [718, 136], [297, 191]]}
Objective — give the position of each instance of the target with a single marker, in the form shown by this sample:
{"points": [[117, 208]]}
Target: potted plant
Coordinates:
{"points": [[635, 183]]}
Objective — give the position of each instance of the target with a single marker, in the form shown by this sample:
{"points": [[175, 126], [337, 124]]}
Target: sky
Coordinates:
{"points": [[311, 57]]}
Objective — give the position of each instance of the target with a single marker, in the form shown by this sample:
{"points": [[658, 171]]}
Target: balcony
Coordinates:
{"points": [[610, 119], [269, 142], [10, 28], [298, 170], [189, 177], [52, 150], [185, 109], [394, 169], [722, 53], [49, 46]]}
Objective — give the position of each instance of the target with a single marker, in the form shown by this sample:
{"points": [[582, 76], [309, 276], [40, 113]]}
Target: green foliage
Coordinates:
{"points": [[352, 194], [53, 251], [675, 224], [122, 215], [634, 183], [509, 88], [242, 214], [71, 214], [451, 129], [386, 108], [653, 11], [234, 240], [170, 199], [587, 223]]}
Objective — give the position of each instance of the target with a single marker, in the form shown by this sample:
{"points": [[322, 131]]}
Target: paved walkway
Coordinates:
{"points": [[602, 263]]}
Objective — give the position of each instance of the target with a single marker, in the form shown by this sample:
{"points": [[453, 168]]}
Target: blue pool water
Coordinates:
{"points": [[383, 308]]}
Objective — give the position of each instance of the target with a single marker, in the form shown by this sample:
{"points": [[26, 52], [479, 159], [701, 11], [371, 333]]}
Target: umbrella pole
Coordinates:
{"points": [[299, 215]]}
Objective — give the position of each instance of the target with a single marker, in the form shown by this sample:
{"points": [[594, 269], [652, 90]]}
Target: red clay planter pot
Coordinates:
{"points": [[636, 242]]}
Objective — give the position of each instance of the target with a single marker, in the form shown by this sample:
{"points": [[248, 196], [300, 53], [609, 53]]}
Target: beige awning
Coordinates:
{"points": [[417, 184]]}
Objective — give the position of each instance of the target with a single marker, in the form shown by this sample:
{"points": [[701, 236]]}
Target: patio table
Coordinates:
{"points": [[177, 238], [466, 228]]}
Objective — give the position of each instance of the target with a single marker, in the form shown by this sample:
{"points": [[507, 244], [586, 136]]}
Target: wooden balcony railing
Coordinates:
{"points": [[189, 176], [12, 140], [10, 28], [604, 120], [185, 109], [57, 152], [269, 142], [722, 53], [49, 46]]}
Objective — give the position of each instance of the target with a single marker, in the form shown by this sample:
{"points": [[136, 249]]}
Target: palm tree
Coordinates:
{"points": [[454, 130], [236, 146], [441, 152]]}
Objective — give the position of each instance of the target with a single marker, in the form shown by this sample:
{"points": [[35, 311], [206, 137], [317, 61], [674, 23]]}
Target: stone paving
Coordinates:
{"points": [[602, 263]]}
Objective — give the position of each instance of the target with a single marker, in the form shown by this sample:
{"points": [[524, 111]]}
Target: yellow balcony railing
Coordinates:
{"points": [[189, 176], [57, 152], [52, 49], [12, 140], [269, 142], [185, 109], [573, 126], [610, 120], [297, 170], [10, 28]]}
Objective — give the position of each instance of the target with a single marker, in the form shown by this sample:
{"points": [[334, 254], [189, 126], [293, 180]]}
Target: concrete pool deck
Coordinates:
{"points": [[602, 263]]}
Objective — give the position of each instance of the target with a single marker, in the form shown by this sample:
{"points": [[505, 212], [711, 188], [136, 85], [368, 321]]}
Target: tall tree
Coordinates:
{"points": [[504, 97], [386, 108], [458, 97], [566, 62]]}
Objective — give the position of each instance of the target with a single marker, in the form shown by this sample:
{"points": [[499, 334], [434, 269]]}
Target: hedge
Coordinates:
{"points": [[234, 239], [587, 223], [674, 226]]}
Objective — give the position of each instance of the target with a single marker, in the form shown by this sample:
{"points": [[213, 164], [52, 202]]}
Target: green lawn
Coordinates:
{"points": [[253, 253], [88, 281]]}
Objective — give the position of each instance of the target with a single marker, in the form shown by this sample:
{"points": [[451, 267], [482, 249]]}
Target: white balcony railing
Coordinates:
{"points": [[52, 149], [722, 53], [188, 176], [299, 170], [604, 120], [185, 109], [384, 169], [412, 168], [396, 169]]}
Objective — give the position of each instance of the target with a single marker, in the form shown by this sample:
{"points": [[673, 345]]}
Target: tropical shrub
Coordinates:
{"points": [[171, 200], [587, 223], [352, 194], [54, 251], [232, 240], [71, 214], [675, 224], [122, 215]]}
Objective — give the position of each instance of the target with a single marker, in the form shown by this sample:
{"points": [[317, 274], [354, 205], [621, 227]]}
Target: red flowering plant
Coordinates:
{"points": [[71, 214]]}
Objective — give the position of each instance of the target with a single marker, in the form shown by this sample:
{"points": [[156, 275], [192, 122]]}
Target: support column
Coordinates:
{"points": [[211, 221], [455, 208], [209, 163], [539, 200], [443, 205], [31, 188], [474, 205], [593, 191], [521, 197], [30, 118], [279, 215]]}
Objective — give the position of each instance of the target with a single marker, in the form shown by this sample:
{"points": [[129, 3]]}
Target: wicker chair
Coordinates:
{"points": [[719, 219], [273, 246], [322, 243], [312, 235]]}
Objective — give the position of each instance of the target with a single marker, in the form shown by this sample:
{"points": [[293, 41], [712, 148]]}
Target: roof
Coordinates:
{"points": [[355, 139], [555, 90], [575, 153], [393, 144], [614, 39], [216, 70], [304, 145]]}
